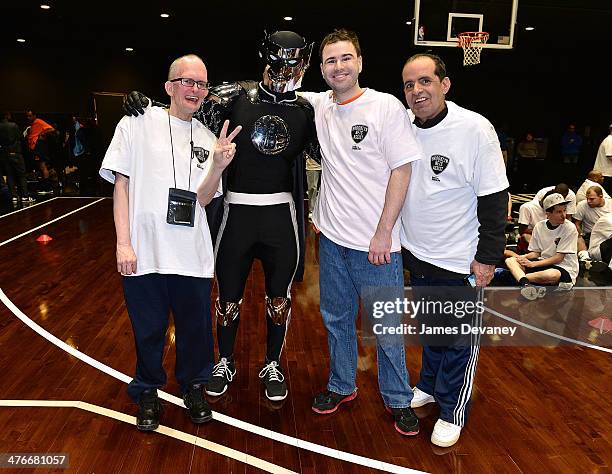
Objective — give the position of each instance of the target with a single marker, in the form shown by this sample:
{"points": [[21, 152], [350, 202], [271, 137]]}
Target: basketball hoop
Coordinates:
{"points": [[472, 43]]}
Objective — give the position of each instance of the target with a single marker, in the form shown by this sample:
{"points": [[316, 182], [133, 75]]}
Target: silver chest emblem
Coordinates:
{"points": [[270, 135]]}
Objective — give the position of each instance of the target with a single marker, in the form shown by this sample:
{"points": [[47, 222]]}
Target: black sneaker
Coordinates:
{"points": [[274, 381], [328, 402], [406, 422], [196, 404], [149, 410], [222, 375], [598, 266]]}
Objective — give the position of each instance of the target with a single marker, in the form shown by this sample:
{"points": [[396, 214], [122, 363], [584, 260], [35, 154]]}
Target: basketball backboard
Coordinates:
{"points": [[438, 22]]}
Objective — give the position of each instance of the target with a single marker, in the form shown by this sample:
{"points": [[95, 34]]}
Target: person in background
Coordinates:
{"points": [[12, 164], [594, 178], [571, 144], [552, 258], [39, 138], [603, 162]]}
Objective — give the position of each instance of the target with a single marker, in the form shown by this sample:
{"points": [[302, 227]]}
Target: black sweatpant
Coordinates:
{"points": [[268, 233], [149, 299]]}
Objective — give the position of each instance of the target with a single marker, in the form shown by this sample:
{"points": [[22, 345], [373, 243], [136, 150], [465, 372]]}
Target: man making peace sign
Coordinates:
{"points": [[164, 176]]}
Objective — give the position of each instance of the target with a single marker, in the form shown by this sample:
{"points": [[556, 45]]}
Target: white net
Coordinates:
{"points": [[472, 43]]}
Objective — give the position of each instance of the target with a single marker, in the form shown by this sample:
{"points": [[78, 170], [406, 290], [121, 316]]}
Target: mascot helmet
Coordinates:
{"points": [[287, 56]]}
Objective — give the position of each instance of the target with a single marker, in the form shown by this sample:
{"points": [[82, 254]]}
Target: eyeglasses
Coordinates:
{"points": [[187, 82]]}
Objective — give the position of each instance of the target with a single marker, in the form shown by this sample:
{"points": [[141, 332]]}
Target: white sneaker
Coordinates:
{"points": [[445, 434], [533, 292], [420, 398]]}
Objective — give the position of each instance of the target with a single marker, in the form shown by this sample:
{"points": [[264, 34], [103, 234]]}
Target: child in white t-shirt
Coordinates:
{"points": [[552, 258]]}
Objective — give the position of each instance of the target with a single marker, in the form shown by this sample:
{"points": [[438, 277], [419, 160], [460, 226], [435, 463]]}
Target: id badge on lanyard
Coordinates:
{"points": [[181, 207]]}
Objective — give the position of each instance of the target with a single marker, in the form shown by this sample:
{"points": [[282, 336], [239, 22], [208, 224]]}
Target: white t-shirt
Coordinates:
{"points": [[361, 143], [530, 213], [590, 215], [571, 197], [563, 240], [602, 162], [463, 161], [602, 230], [141, 150], [581, 193]]}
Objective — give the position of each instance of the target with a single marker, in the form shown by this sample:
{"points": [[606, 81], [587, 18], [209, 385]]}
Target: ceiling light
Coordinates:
{"points": [[409, 22], [165, 15], [45, 6], [20, 40], [529, 28], [129, 49], [288, 18]]}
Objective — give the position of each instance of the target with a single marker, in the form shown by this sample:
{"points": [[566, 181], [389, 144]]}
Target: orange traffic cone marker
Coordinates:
{"points": [[44, 238]]}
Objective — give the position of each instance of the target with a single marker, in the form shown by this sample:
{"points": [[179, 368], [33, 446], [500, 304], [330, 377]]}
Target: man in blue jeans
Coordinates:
{"points": [[367, 147]]}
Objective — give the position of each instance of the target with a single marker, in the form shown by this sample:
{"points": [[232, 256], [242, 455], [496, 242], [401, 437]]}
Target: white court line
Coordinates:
{"points": [[46, 201], [78, 197], [536, 329], [172, 433], [517, 289], [50, 222], [29, 207], [243, 425], [551, 334]]}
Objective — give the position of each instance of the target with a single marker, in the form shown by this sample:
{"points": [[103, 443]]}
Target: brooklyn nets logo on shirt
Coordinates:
{"points": [[439, 163], [359, 132], [201, 155]]}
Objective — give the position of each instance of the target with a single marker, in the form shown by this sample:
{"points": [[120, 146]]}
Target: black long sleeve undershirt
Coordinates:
{"points": [[491, 211]]}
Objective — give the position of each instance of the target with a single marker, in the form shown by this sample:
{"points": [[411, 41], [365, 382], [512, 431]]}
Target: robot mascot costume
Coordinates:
{"points": [[263, 215]]}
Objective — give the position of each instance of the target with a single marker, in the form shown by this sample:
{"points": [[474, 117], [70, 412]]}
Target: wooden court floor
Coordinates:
{"points": [[534, 409]]}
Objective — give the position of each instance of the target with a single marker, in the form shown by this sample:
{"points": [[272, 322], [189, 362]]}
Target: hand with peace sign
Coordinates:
{"points": [[225, 148]]}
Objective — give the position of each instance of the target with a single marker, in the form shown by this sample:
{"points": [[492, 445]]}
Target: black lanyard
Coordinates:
{"points": [[172, 148]]}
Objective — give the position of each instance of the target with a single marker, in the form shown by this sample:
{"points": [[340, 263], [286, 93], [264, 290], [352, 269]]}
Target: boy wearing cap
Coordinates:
{"points": [[552, 258]]}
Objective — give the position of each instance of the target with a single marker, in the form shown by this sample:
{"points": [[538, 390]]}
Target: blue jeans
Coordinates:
{"points": [[344, 275]]}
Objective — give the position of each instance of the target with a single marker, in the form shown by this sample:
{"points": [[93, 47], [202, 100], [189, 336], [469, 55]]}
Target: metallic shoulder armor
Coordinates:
{"points": [[217, 107], [228, 92], [251, 88]]}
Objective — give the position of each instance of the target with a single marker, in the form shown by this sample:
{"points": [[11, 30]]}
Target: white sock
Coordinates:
{"points": [[584, 255]]}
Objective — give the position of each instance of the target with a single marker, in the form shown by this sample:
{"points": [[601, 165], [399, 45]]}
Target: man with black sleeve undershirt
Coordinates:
{"points": [[453, 224]]}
